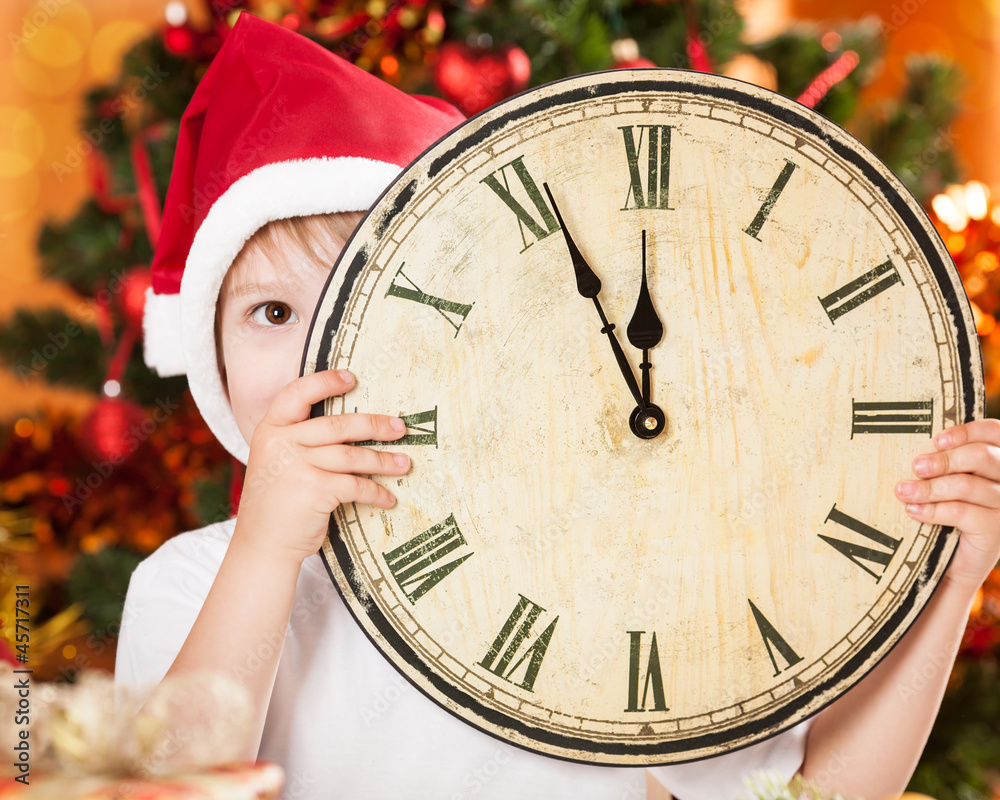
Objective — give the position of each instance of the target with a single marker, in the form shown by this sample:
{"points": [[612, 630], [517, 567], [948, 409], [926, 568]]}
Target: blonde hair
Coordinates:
{"points": [[319, 238]]}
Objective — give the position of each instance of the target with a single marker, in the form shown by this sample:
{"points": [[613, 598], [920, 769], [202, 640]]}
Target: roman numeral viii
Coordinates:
{"points": [[548, 226], [858, 553], [419, 564], [512, 635], [911, 417], [423, 422], [446, 308], [654, 677], [657, 194], [860, 290], [771, 638]]}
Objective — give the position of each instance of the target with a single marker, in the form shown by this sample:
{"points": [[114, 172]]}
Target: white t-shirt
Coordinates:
{"points": [[345, 724]]}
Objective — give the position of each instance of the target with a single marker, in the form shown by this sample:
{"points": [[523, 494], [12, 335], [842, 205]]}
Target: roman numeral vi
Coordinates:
{"points": [[654, 677]]}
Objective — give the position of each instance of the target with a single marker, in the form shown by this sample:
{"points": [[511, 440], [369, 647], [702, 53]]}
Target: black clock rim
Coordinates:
{"points": [[635, 82]]}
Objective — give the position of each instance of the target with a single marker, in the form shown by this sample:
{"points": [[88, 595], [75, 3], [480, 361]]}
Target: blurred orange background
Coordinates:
{"points": [[53, 51]]}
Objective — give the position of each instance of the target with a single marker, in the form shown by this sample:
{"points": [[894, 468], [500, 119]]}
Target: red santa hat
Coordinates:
{"points": [[278, 127]]}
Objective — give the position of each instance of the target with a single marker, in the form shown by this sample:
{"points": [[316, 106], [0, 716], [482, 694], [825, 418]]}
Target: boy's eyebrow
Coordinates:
{"points": [[242, 289]]}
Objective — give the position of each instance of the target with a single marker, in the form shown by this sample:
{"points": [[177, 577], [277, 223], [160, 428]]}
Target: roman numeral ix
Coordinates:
{"points": [[423, 422]]}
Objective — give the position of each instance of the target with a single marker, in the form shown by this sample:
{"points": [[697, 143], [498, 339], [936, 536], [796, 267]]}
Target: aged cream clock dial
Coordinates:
{"points": [[664, 342]]}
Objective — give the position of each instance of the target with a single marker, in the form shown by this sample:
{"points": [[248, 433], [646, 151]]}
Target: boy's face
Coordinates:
{"points": [[264, 320]]}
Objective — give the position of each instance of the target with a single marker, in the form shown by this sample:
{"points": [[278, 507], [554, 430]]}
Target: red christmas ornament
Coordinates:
{"points": [[179, 39], [132, 295], [114, 430], [475, 78]]}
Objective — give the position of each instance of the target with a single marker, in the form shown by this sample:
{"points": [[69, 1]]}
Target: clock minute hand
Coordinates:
{"points": [[589, 286], [645, 330]]}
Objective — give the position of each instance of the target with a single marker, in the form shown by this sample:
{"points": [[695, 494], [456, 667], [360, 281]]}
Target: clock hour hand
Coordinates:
{"points": [[645, 330], [589, 286]]}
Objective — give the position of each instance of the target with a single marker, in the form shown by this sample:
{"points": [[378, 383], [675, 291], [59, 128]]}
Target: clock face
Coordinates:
{"points": [[608, 574]]}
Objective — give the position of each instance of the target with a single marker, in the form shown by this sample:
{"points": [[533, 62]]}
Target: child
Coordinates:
{"points": [[281, 149]]}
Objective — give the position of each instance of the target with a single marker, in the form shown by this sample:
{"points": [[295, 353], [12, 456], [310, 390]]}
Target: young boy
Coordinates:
{"points": [[281, 149]]}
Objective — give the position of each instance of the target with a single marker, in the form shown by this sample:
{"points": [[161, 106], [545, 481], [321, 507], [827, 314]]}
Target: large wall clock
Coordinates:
{"points": [[664, 342]]}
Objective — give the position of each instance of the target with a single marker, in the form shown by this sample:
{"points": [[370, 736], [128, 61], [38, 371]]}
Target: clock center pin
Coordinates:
{"points": [[648, 422]]}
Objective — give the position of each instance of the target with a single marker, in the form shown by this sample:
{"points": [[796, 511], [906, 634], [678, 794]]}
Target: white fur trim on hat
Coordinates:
{"points": [[161, 333], [275, 191]]}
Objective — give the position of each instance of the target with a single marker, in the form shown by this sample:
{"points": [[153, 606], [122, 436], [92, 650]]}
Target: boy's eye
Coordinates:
{"points": [[274, 313]]}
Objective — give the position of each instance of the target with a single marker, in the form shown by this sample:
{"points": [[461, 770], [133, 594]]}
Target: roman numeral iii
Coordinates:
{"points": [[417, 564], [548, 225], [860, 290], [657, 194], [654, 677], [773, 639], [857, 553], [446, 308], [906, 417], [512, 635]]}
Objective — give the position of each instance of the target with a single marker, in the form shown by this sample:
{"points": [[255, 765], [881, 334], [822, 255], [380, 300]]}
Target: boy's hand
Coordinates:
{"points": [[300, 469], [960, 486]]}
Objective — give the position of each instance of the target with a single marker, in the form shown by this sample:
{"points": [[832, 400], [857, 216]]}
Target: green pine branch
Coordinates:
{"points": [[49, 345]]}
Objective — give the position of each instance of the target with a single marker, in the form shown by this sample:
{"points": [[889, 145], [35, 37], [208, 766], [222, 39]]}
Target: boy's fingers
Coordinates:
{"points": [[347, 458], [979, 430], [964, 516], [353, 489], [295, 401], [337, 428], [977, 458], [960, 487]]}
